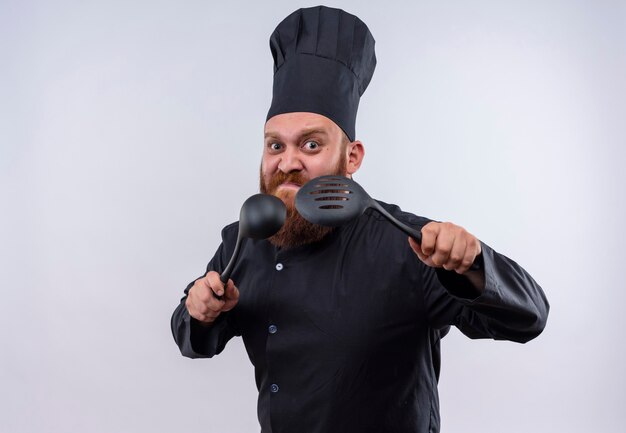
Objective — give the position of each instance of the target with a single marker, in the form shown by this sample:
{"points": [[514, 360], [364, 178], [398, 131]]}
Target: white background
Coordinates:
{"points": [[131, 132]]}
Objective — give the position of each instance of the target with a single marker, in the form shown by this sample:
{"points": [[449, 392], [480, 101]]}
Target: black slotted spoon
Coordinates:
{"points": [[336, 200]]}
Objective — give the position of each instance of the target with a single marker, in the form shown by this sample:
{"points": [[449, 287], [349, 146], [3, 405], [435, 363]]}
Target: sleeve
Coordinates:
{"points": [[511, 307], [193, 339]]}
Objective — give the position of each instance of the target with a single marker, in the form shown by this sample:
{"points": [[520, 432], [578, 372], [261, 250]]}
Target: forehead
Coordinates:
{"points": [[293, 125]]}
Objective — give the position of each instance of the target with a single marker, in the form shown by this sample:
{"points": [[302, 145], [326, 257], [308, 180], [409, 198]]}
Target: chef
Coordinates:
{"points": [[343, 325]]}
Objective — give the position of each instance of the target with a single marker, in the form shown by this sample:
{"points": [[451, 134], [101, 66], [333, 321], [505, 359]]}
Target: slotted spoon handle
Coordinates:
{"points": [[417, 235]]}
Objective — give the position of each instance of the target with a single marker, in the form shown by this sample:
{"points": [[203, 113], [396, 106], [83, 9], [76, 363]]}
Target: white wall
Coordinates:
{"points": [[130, 133]]}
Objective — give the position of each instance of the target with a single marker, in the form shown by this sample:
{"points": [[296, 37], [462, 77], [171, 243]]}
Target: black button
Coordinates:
{"points": [[274, 388], [273, 329]]}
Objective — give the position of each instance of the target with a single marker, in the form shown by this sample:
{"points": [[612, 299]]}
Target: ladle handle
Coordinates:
{"points": [[229, 267], [417, 235]]}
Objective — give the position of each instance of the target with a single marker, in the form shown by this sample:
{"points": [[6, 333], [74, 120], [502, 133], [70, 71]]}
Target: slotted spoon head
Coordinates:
{"points": [[331, 200]]}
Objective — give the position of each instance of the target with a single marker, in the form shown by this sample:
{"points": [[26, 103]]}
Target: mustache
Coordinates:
{"points": [[280, 178]]}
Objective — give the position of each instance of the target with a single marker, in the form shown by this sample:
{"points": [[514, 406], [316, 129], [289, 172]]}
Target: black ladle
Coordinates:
{"points": [[261, 216], [336, 200]]}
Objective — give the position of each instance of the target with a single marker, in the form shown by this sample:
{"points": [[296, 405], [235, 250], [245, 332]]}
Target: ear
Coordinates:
{"points": [[355, 153]]}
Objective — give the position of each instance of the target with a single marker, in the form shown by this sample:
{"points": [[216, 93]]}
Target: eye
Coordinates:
{"points": [[311, 145], [275, 146]]}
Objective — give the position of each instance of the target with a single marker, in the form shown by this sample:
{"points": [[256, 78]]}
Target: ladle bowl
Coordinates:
{"points": [[261, 216]]}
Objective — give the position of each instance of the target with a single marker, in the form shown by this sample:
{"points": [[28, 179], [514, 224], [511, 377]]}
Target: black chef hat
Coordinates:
{"points": [[323, 61]]}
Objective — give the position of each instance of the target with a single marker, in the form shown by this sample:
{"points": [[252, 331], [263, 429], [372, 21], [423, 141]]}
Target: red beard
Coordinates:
{"points": [[296, 231]]}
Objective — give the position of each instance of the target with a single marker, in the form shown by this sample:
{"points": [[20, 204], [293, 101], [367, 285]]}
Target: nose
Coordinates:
{"points": [[290, 161]]}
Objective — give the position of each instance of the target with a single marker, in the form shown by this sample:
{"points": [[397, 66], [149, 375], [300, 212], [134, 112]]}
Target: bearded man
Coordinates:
{"points": [[343, 325]]}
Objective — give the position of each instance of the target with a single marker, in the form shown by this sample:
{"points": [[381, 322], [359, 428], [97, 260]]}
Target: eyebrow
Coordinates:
{"points": [[306, 132]]}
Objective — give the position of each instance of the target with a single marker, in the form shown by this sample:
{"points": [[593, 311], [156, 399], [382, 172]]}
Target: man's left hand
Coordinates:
{"points": [[448, 246]]}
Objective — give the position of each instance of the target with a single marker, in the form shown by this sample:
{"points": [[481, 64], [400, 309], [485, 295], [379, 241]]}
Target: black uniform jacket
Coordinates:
{"points": [[344, 334]]}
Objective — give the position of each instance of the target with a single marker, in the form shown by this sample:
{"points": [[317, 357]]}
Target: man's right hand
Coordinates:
{"points": [[202, 303]]}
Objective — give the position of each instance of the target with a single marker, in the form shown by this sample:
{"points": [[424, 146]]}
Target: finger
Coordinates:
{"points": [[429, 238], [467, 262], [207, 318], [201, 303], [443, 246], [472, 251], [232, 296], [205, 305], [190, 306], [213, 281], [199, 310], [201, 292], [417, 249], [457, 254], [475, 245], [203, 296], [215, 305], [420, 255], [195, 297], [232, 293]]}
